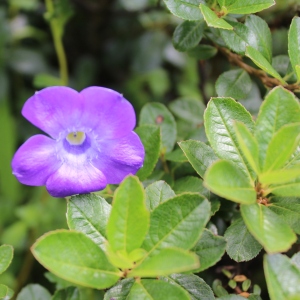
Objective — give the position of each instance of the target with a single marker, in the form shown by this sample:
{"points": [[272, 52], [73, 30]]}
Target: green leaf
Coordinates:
{"points": [[6, 293], [74, 257], [235, 83], [239, 38], [158, 114], [282, 276], [280, 176], [248, 145], [212, 19], [157, 193], [151, 139], [241, 245], [89, 214], [120, 291], [226, 180], [177, 222], [185, 9], [187, 109], [188, 35], [247, 6], [288, 209], [128, 210], [44, 80], [34, 292], [295, 259], [194, 285], [152, 289], [70, 293], [288, 189], [281, 146], [263, 35], [165, 262], [268, 228], [200, 155], [176, 156], [6, 256], [210, 249], [279, 108], [202, 52], [190, 184], [294, 45], [262, 63], [218, 120]]}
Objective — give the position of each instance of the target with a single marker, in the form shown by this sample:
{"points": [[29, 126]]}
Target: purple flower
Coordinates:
{"points": [[92, 143]]}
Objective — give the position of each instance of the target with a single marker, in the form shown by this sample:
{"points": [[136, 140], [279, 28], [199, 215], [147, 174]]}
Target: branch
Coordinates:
{"points": [[269, 82]]}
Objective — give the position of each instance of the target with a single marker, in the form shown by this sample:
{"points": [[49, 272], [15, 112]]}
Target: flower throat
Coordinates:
{"points": [[76, 138]]}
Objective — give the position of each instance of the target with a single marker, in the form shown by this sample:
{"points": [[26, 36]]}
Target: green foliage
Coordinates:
{"points": [[283, 277], [222, 166]]}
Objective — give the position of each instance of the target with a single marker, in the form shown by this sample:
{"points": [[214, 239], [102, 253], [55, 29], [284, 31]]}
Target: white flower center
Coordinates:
{"points": [[76, 138]]}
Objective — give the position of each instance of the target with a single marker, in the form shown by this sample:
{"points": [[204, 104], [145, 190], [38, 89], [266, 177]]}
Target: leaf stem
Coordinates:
{"points": [[58, 45], [269, 82]]}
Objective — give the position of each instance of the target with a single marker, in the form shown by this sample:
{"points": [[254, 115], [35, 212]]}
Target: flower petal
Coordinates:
{"points": [[54, 109], [35, 160], [119, 158], [107, 112], [75, 179]]}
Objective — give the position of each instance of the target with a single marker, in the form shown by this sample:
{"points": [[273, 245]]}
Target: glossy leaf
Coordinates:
{"points": [[34, 292], [185, 9], [74, 257], [190, 184], [279, 108], [235, 83], [6, 256], [227, 180], [263, 35], [165, 262], [295, 259], [247, 6], [70, 293], [157, 193], [89, 214], [176, 156], [288, 189], [188, 109], [281, 146], [241, 245], [268, 228], [128, 210], [200, 155], [6, 293], [239, 38], [152, 289], [177, 222], [218, 120], [158, 114], [202, 52], [210, 248], [248, 145], [212, 19], [262, 63], [194, 285], [280, 176], [188, 34], [282, 276], [120, 291], [288, 209], [294, 45], [151, 139]]}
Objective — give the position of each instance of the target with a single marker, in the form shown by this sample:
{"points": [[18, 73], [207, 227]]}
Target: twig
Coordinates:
{"points": [[269, 82]]}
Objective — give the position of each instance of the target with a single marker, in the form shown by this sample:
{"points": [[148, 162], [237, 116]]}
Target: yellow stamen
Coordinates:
{"points": [[76, 138]]}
